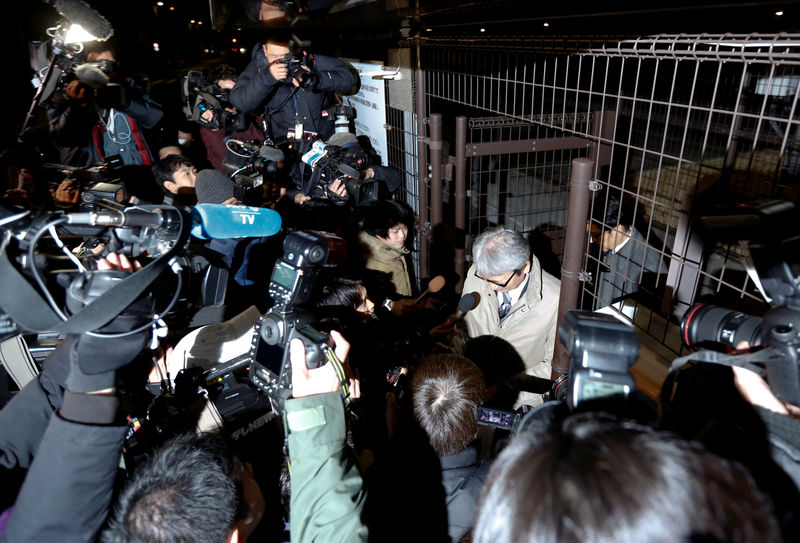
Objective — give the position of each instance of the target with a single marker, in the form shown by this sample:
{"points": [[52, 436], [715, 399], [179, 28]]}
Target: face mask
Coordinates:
{"points": [[182, 142]]}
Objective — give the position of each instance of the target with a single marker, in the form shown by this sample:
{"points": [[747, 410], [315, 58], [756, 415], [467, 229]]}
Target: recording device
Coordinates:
{"points": [[296, 63], [292, 284], [247, 162], [497, 418], [602, 350], [772, 231], [97, 183], [331, 162], [200, 95], [79, 12]]}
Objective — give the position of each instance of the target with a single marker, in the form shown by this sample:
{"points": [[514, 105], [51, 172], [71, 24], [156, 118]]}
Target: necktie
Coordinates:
{"points": [[505, 306]]}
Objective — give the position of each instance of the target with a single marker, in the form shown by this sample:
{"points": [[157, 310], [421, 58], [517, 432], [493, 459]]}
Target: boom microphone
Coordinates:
{"points": [[112, 218], [219, 221], [264, 151], [270, 153], [210, 221], [80, 13]]}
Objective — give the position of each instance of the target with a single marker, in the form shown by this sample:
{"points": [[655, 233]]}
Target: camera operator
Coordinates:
{"points": [[69, 485], [224, 78], [86, 131], [71, 454], [292, 103]]}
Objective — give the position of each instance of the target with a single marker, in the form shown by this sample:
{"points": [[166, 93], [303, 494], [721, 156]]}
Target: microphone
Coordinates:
{"points": [[210, 221], [264, 151], [113, 218], [219, 221], [270, 153], [79, 12], [467, 303]]}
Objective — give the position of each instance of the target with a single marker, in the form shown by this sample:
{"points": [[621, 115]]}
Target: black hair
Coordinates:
{"points": [[281, 36], [222, 71], [384, 214], [603, 480], [612, 212], [340, 291], [188, 491], [164, 168]]}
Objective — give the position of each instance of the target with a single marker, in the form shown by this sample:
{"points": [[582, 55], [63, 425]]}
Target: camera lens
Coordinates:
{"points": [[704, 323]]}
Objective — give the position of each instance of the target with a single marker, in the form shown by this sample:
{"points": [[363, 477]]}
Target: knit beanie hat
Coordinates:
{"points": [[213, 187]]}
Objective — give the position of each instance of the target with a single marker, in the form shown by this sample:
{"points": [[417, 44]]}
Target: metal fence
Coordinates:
{"points": [[672, 123]]}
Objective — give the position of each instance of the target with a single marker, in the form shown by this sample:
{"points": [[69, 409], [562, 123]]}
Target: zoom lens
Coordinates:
{"points": [[707, 323]]}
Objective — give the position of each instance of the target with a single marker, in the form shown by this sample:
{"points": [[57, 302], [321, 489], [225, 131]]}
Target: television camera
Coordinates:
{"points": [[60, 60], [247, 163], [99, 184], [201, 95], [292, 283], [330, 162]]}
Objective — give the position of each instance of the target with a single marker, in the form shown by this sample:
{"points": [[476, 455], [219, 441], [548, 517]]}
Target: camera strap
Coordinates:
{"points": [[31, 312]]}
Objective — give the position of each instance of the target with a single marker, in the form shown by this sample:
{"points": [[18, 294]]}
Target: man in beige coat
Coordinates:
{"points": [[518, 302]]}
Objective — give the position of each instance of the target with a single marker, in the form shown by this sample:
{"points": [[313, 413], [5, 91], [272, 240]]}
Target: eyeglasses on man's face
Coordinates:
{"points": [[504, 284]]}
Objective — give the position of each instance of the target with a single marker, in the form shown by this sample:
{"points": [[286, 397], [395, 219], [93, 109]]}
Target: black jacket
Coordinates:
{"points": [[256, 91]]}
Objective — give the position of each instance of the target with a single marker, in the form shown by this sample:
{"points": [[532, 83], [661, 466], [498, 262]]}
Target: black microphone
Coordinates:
{"points": [[264, 151], [467, 303], [80, 13], [270, 153]]}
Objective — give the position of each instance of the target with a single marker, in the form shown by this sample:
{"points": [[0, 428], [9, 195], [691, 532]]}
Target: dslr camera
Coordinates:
{"points": [[296, 63], [292, 284], [200, 95]]}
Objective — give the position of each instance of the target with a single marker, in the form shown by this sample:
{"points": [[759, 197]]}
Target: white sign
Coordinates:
{"points": [[370, 106]]}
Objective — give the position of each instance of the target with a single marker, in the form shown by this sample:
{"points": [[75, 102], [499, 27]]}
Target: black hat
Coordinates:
{"points": [[213, 187]]}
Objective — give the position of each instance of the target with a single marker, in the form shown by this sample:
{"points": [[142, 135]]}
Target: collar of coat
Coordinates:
{"points": [[380, 250]]}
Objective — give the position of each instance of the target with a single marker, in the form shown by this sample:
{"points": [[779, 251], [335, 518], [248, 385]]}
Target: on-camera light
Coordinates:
{"points": [[76, 34]]}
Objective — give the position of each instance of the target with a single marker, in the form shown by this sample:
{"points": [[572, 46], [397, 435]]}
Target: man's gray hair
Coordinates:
{"points": [[500, 250]]}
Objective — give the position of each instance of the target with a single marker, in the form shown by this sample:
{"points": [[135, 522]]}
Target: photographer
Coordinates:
{"points": [[85, 131], [293, 103], [212, 129]]}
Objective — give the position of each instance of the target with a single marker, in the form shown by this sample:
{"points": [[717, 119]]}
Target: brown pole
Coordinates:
{"points": [[577, 216], [422, 174], [461, 197], [435, 145]]}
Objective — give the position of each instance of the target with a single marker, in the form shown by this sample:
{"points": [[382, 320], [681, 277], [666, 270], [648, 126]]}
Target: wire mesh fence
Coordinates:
{"points": [[674, 123]]}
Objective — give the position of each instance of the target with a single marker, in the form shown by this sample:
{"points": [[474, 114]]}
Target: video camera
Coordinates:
{"points": [[200, 95], [97, 183], [331, 162], [247, 163], [292, 283]]}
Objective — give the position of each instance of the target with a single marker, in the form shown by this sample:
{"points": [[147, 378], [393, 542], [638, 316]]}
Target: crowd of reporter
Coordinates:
{"points": [[393, 451]]}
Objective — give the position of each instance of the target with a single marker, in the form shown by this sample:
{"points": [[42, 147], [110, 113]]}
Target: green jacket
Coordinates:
{"points": [[327, 490]]}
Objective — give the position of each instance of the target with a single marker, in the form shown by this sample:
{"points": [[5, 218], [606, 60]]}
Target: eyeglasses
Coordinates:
{"points": [[501, 285]]}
